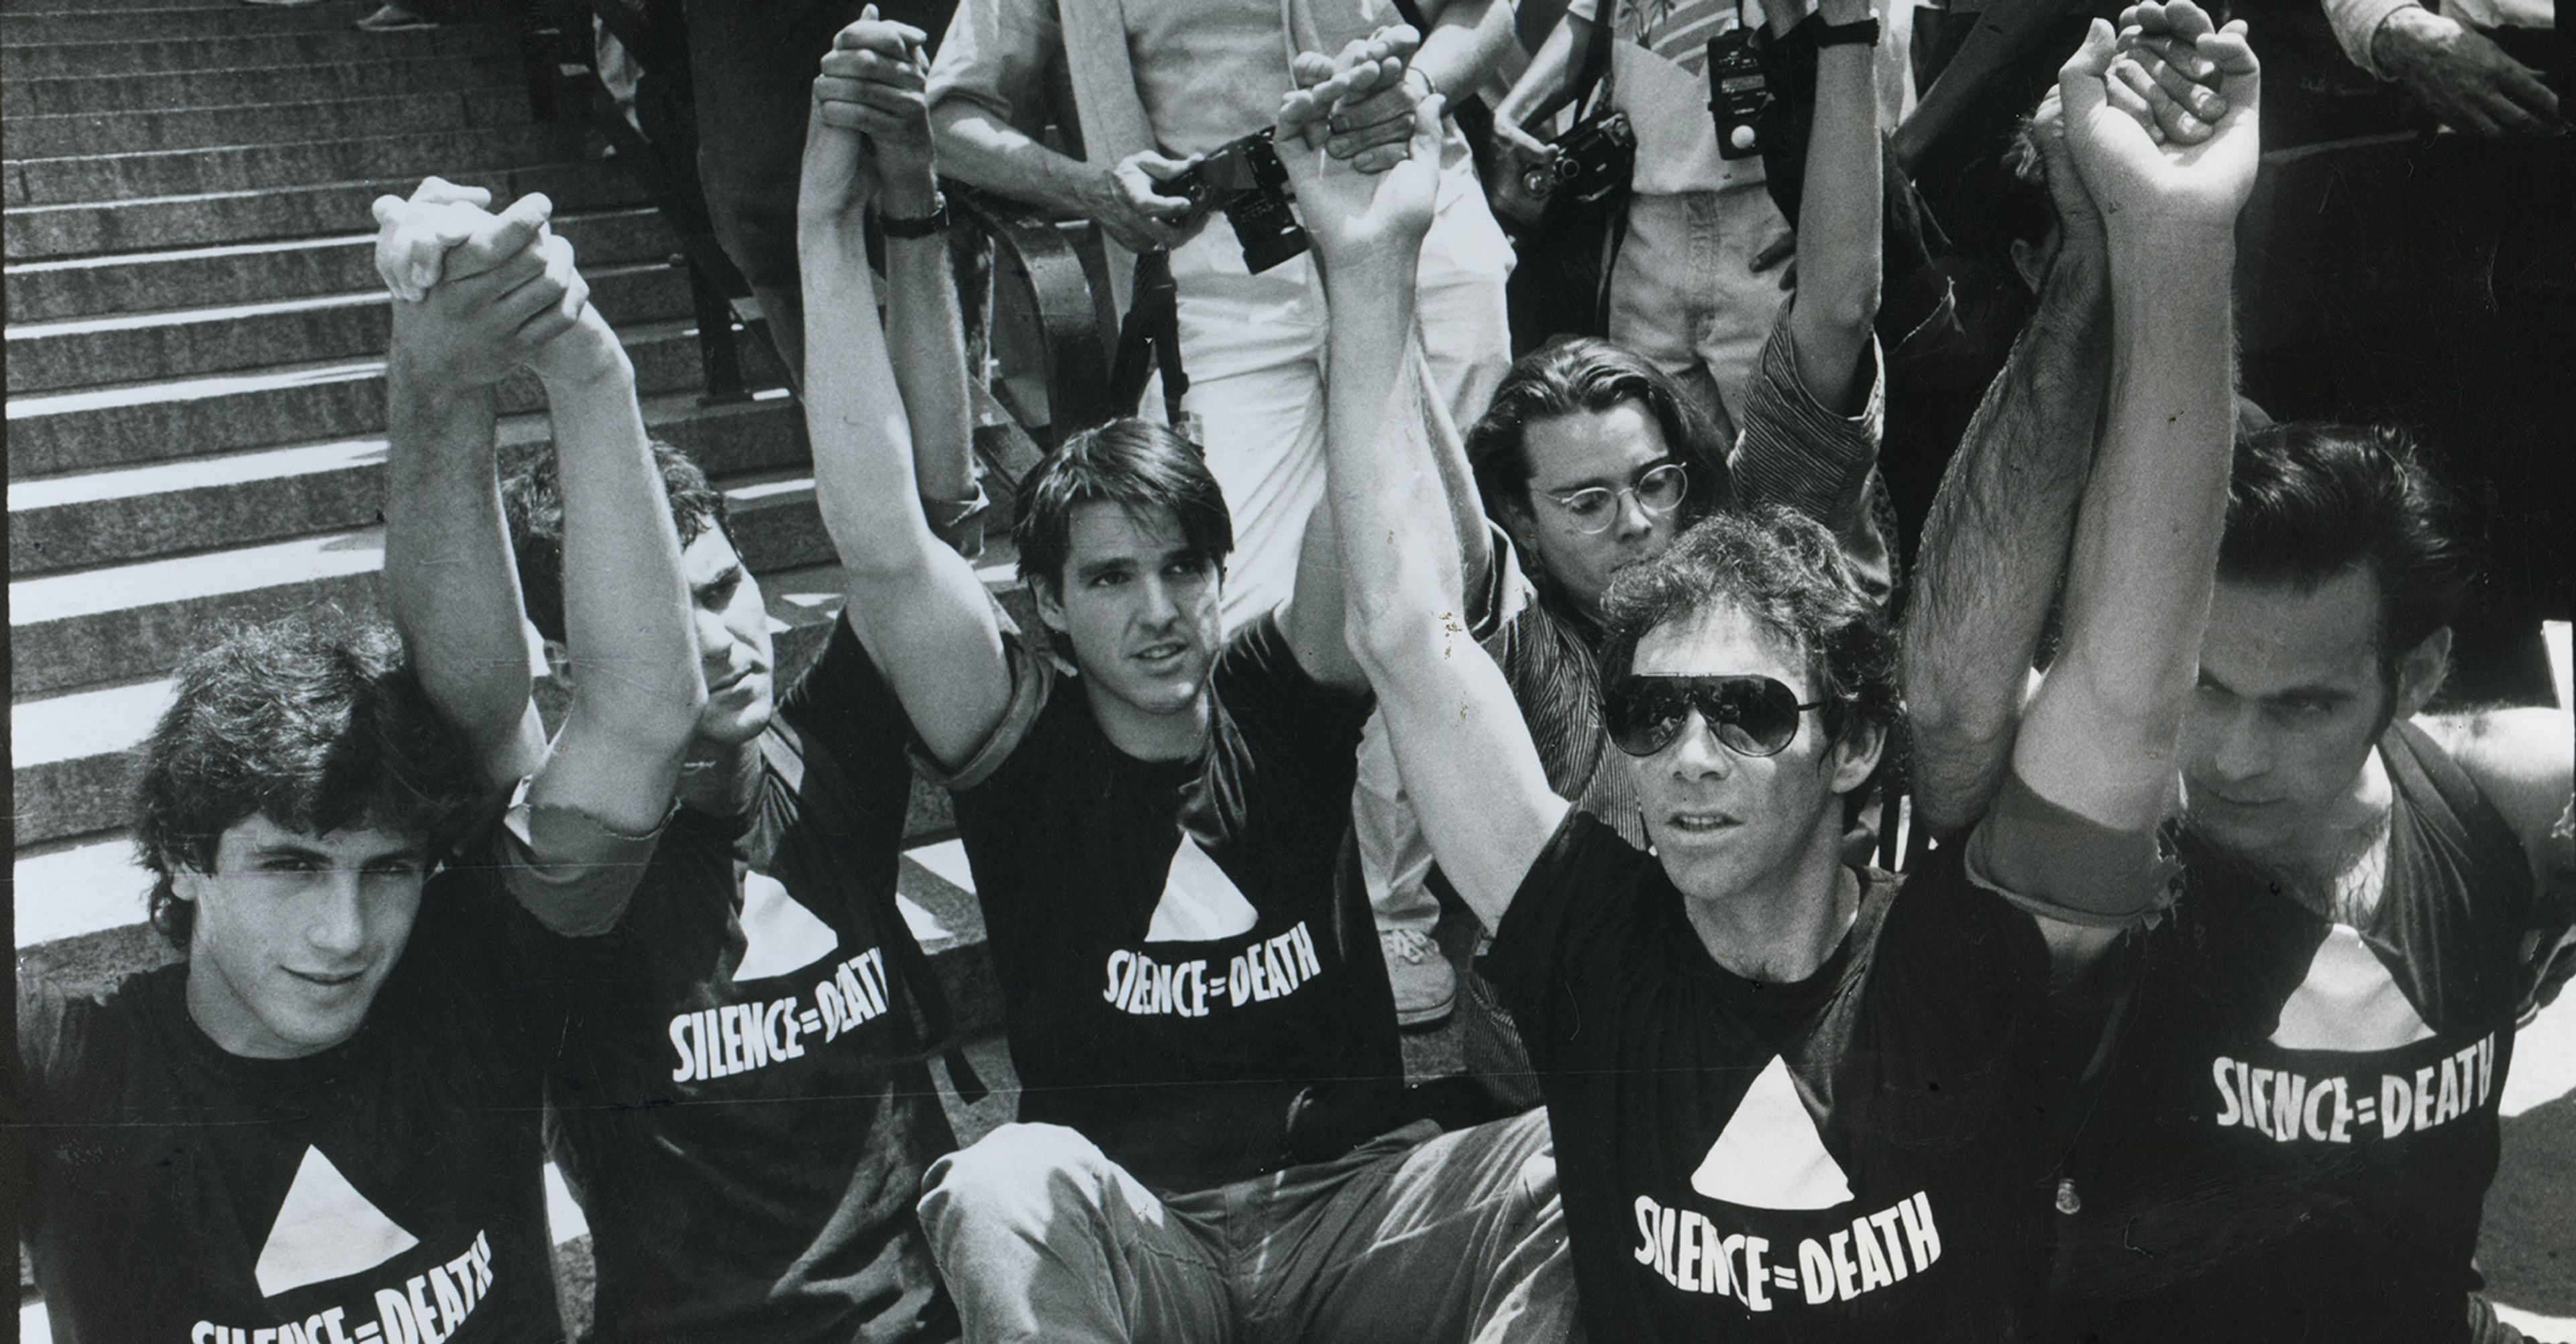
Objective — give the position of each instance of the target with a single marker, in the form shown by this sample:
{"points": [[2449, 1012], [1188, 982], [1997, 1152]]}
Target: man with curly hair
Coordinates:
{"points": [[321, 1123]]}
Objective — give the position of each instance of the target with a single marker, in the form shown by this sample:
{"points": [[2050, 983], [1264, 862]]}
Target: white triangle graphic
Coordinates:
{"points": [[2349, 1002], [1770, 1156], [778, 934], [325, 1230], [1200, 903]]}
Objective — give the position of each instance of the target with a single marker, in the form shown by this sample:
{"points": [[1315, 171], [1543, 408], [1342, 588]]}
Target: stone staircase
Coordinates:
{"points": [[195, 363]]}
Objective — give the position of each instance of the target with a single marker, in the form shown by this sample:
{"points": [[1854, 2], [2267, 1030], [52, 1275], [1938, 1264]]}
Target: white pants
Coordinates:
{"points": [[1253, 346]]}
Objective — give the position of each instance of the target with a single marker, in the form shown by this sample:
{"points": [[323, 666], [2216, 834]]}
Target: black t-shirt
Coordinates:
{"points": [[743, 1104], [1185, 986], [2301, 1124], [389, 1188], [1846, 1157]]}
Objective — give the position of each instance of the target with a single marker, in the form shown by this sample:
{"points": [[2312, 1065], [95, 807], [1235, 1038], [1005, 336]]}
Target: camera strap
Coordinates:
{"points": [[1149, 340]]}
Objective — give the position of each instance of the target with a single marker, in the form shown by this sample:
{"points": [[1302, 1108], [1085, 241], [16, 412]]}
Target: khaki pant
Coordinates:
{"points": [[1416, 1237]]}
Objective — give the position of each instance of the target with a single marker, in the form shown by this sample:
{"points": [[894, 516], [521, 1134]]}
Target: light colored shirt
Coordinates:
{"points": [[1207, 71]]}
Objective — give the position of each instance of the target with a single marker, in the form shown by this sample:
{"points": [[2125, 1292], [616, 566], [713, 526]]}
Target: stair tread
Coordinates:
{"points": [[301, 374], [250, 465], [224, 312]]}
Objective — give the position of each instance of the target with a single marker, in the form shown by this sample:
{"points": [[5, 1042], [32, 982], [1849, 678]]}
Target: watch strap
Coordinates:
{"points": [[917, 226], [1863, 33]]}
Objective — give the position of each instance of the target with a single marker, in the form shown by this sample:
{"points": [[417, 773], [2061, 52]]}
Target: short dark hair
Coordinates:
{"points": [[2309, 501], [1787, 574], [1585, 373], [1138, 465], [315, 722], [532, 501]]}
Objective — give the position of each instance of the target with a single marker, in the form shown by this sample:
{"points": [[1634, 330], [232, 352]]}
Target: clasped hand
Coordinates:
{"points": [[1355, 210], [477, 295], [2161, 118], [869, 136]]}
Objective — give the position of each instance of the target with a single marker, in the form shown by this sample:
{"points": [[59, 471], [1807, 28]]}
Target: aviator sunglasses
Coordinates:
{"points": [[1752, 716]]}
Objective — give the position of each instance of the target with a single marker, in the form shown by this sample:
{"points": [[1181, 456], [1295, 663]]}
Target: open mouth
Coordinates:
{"points": [[1165, 652], [1700, 823]]}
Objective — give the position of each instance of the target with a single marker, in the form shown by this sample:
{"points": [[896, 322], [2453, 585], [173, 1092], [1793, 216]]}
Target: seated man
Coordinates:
{"points": [[746, 1108], [2306, 1095], [331, 1109], [1210, 1138], [322, 1122], [1590, 461], [1791, 1102]]}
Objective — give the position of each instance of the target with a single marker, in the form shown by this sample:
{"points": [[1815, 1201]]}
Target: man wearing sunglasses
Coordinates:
{"points": [[1590, 460], [1788, 1102]]}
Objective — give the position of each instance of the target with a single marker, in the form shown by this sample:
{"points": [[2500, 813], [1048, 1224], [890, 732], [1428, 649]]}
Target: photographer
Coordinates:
{"points": [[1179, 80], [1695, 281]]}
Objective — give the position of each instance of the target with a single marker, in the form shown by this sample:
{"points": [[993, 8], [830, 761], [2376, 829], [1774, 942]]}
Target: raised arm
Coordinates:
{"points": [[2100, 737], [925, 333], [1460, 743], [1996, 540], [916, 603], [1836, 302], [449, 579], [631, 655]]}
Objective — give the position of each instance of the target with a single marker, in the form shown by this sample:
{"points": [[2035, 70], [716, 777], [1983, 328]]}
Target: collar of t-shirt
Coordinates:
{"points": [[1774, 1004]]}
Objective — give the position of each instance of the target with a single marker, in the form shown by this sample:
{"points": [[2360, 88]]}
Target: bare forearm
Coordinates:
{"points": [[864, 475], [1546, 72], [1397, 572], [981, 149], [628, 616], [2100, 735], [926, 337], [450, 581], [1996, 541], [1838, 247], [1466, 41]]}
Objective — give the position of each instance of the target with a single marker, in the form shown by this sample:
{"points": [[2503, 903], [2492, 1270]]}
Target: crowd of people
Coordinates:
{"points": [[2188, 1020]]}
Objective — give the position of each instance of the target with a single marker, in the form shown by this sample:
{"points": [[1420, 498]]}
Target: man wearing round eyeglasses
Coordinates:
{"points": [[1789, 1100]]}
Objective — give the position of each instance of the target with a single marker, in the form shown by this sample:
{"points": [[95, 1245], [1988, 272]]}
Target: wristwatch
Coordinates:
{"points": [[1863, 33], [917, 226]]}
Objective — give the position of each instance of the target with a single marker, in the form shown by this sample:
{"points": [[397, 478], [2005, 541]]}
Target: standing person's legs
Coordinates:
{"points": [[1394, 860], [1684, 294], [1253, 347], [752, 63], [1457, 1238], [1041, 1237]]}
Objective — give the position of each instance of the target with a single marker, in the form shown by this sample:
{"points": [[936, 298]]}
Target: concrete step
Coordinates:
{"points": [[72, 769], [63, 231], [377, 76], [195, 172], [160, 421], [270, 494], [128, 622], [132, 282], [126, 347], [261, 124], [90, 60], [166, 23]]}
